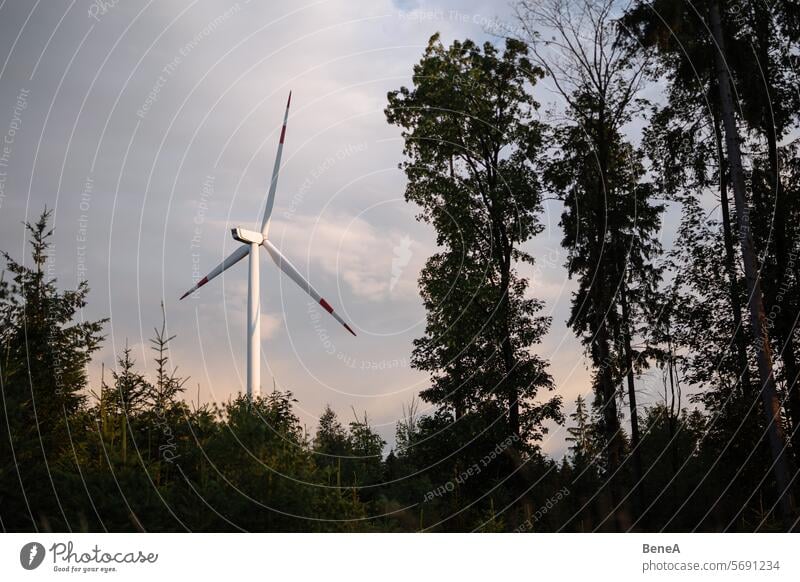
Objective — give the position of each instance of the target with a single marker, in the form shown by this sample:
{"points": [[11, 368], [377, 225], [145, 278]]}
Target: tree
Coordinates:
{"points": [[330, 444], [762, 64], [693, 335], [581, 434], [684, 143], [670, 28], [349, 457], [168, 385], [758, 316], [583, 477], [366, 447], [262, 475], [610, 218], [472, 147], [130, 389], [44, 350]]}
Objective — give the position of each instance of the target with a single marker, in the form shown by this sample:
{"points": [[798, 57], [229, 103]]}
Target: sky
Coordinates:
{"points": [[150, 129]]}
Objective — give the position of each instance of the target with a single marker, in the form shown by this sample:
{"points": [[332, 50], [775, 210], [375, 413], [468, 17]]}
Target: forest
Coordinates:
{"points": [[679, 106]]}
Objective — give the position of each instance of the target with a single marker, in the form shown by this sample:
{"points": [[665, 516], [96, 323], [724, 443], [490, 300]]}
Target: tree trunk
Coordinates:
{"points": [[614, 441], [730, 268], [611, 430], [772, 408], [636, 450], [673, 416], [505, 249], [509, 361]]}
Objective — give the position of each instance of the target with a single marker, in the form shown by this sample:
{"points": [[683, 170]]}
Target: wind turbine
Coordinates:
{"points": [[252, 241]]}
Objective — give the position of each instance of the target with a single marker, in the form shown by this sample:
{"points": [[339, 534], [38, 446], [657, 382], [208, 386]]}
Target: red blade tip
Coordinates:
{"points": [[200, 283]]}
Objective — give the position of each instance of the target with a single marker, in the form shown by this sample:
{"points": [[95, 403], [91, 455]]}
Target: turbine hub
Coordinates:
{"points": [[247, 236]]}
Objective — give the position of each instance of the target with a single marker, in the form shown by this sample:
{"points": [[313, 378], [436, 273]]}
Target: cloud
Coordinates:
{"points": [[355, 252]]}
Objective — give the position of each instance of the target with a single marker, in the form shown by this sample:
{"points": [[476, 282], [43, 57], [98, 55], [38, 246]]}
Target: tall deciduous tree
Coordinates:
{"points": [[472, 147]]}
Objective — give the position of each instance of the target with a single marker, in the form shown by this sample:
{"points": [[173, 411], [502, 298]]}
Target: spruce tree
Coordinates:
{"points": [[45, 346]]}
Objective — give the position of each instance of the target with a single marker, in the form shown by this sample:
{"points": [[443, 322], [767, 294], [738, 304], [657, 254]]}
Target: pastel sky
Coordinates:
{"points": [[150, 129]]}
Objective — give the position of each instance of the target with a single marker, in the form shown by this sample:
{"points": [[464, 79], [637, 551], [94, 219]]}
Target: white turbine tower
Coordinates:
{"points": [[252, 241]]}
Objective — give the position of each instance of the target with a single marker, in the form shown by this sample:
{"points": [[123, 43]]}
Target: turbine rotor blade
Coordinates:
{"points": [[229, 261], [288, 268], [276, 168]]}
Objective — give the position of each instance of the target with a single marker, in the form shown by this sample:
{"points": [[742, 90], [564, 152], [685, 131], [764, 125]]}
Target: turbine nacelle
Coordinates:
{"points": [[247, 236]]}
